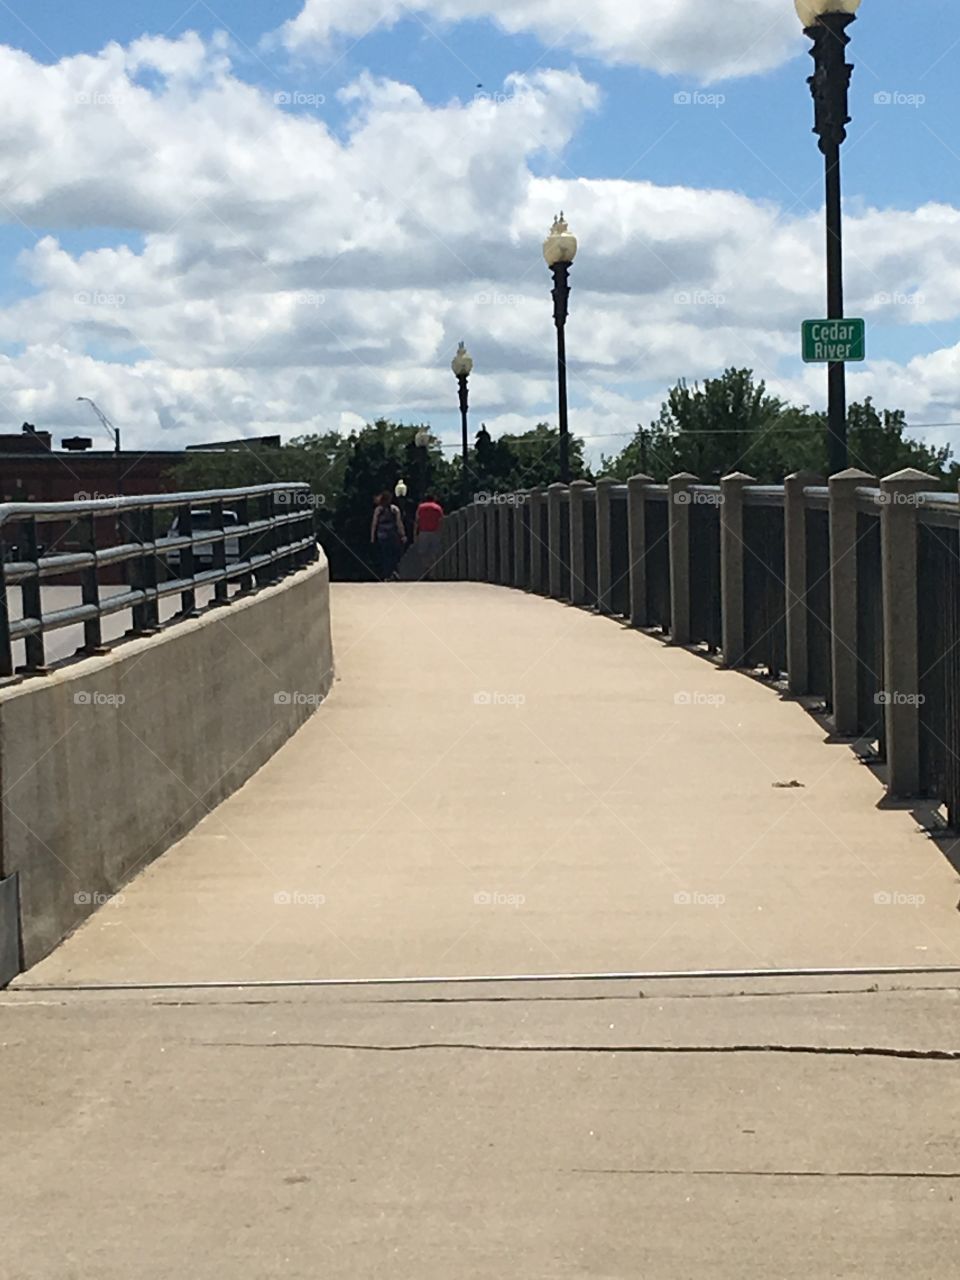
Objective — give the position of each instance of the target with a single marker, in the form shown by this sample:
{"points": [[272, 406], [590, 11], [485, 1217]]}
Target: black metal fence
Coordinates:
{"points": [[706, 622], [590, 547], [938, 639], [764, 581], [869, 641], [816, 596], [127, 555], [619, 553], [657, 556]]}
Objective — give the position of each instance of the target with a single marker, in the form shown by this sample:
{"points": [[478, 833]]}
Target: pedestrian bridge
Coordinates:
{"points": [[497, 782]]}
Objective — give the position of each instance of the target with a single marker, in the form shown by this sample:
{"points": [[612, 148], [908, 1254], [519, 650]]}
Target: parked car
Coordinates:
{"points": [[202, 519]]}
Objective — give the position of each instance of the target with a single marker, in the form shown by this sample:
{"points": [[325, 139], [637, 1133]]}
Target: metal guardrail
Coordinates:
{"points": [[253, 538]]}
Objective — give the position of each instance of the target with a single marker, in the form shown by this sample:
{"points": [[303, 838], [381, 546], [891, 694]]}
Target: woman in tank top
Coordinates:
{"points": [[387, 534]]}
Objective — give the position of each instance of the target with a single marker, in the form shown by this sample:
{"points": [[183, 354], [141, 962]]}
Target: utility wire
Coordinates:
{"points": [[705, 431]]}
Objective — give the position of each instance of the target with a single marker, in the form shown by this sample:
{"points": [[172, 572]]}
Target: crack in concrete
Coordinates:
{"points": [[849, 1051], [661, 996]]}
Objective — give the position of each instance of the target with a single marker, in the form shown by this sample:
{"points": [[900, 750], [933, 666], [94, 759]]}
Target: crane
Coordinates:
{"points": [[113, 432]]}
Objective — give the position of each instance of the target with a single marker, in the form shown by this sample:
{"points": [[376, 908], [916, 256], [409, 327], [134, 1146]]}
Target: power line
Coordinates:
{"points": [[704, 431]]}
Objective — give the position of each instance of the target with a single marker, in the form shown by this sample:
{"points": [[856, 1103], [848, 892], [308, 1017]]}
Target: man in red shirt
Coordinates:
{"points": [[426, 533]]}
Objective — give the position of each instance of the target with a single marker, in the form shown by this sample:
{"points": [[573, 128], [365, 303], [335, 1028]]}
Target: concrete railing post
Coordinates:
{"points": [[637, 528], [795, 578], [578, 561], [731, 567], [901, 651], [605, 488], [554, 501], [537, 499], [845, 660], [520, 535], [678, 516]]}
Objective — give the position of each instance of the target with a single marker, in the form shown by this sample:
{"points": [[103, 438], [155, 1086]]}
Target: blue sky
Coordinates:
{"points": [[748, 134], [915, 158]]}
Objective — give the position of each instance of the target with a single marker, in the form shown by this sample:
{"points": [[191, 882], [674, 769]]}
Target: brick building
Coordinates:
{"points": [[31, 470]]}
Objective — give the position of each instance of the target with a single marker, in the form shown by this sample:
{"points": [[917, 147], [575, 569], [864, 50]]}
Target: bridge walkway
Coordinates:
{"points": [[501, 784]]}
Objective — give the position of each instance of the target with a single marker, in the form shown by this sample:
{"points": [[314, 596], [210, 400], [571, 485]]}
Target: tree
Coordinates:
{"points": [[723, 426], [733, 424]]}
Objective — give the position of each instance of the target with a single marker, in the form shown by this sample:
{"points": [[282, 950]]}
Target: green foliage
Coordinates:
{"points": [[731, 423], [523, 461]]}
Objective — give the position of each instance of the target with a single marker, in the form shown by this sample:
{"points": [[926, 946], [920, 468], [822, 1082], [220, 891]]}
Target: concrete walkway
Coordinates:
{"points": [[571, 1133], [502, 784]]}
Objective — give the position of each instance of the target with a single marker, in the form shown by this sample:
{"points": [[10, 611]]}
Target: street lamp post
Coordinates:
{"points": [[559, 250], [826, 22], [461, 364]]}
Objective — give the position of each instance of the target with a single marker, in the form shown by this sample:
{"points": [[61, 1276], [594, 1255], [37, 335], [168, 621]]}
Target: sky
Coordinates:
{"points": [[280, 216]]}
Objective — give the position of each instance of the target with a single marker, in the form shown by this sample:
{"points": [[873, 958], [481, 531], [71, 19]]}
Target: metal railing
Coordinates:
{"points": [[153, 547]]}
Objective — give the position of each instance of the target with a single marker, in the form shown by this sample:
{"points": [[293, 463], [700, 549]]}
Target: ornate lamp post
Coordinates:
{"points": [[826, 22], [559, 250], [461, 364]]}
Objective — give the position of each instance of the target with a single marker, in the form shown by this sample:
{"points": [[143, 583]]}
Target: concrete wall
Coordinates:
{"points": [[107, 762]]}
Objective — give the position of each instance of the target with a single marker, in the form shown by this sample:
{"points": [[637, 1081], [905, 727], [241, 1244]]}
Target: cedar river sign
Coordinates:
{"points": [[834, 341]]}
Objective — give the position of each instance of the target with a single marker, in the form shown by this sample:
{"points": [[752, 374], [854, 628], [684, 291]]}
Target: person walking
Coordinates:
{"points": [[426, 533], [387, 535]]}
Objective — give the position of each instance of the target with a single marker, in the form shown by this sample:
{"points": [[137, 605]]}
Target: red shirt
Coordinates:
{"points": [[429, 516]]}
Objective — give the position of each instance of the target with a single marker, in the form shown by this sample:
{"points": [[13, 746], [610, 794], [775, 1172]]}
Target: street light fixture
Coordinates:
{"points": [[559, 250], [462, 364], [826, 22]]}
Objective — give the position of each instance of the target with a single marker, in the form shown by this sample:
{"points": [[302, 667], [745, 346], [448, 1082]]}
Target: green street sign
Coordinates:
{"points": [[834, 341]]}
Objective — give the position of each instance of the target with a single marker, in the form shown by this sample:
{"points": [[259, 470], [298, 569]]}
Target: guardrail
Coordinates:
{"points": [[847, 593], [162, 545]]}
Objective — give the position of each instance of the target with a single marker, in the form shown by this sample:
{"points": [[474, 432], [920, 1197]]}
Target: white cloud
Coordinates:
{"points": [[702, 38], [292, 280]]}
